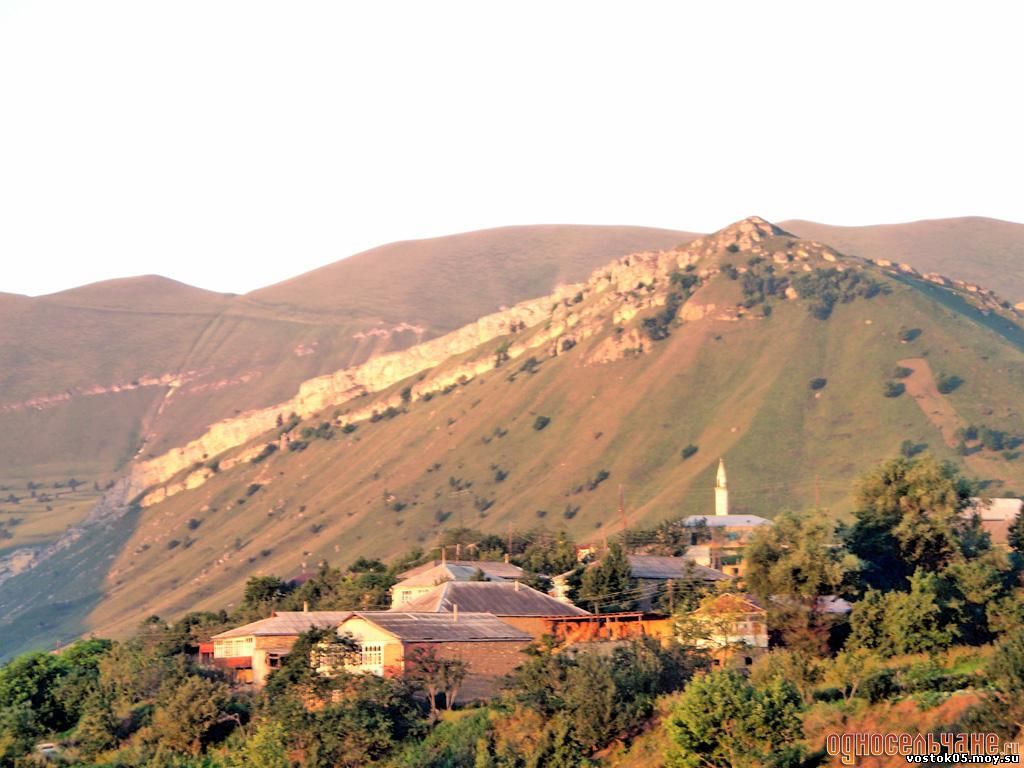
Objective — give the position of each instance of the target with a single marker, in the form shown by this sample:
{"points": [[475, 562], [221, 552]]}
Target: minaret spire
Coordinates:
{"points": [[721, 490]]}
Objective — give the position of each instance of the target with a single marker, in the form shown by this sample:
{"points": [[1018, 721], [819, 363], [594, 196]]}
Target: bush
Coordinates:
{"points": [[901, 373], [268, 449], [909, 334], [818, 383], [689, 451], [894, 389], [947, 384], [540, 422], [193, 523]]}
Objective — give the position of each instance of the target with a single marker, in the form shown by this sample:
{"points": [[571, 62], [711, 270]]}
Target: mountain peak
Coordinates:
{"points": [[751, 228]]}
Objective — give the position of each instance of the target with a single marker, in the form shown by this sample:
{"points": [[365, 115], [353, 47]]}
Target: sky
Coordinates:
{"points": [[230, 145]]}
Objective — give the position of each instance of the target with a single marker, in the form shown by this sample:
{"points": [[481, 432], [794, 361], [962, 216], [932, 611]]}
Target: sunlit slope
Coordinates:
{"points": [[446, 282], [93, 376], [735, 388]]}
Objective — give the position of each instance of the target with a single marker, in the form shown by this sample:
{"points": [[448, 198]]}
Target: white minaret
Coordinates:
{"points": [[721, 491]]}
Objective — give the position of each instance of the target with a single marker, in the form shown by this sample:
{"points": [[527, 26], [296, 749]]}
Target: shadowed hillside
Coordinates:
{"points": [[988, 252]]}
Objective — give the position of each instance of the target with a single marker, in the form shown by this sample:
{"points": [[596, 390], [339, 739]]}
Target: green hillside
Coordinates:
{"points": [[734, 381], [93, 376]]}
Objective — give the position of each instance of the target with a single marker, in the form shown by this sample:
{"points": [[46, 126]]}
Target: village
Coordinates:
{"points": [[480, 615]]}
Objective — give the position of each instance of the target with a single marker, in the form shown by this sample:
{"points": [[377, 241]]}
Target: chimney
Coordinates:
{"points": [[305, 606], [458, 551], [506, 557], [517, 585], [455, 612], [444, 555]]}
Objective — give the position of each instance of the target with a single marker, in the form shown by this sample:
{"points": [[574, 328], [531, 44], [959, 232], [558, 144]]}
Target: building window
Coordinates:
{"points": [[372, 655], [747, 660], [405, 597]]}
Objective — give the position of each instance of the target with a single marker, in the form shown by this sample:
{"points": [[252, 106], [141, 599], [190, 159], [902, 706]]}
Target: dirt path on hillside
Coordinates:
{"points": [[921, 386], [941, 413]]}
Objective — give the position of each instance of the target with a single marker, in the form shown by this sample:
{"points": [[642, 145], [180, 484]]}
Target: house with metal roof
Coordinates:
{"points": [[512, 602], [388, 642], [419, 581], [718, 541], [654, 572], [997, 515], [252, 651]]}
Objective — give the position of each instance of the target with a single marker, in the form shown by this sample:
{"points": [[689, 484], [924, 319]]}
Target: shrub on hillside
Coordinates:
{"points": [[948, 383], [689, 451], [540, 422], [894, 389], [818, 383]]}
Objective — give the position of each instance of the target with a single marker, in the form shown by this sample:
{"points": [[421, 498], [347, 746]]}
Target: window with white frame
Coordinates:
{"points": [[372, 655]]}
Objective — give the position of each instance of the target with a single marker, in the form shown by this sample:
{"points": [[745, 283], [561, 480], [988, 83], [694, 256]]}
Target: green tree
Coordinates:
{"points": [[1015, 536], [267, 747], [722, 721], [187, 713], [97, 729], [608, 586], [262, 594], [789, 565], [908, 516], [902, 622]]}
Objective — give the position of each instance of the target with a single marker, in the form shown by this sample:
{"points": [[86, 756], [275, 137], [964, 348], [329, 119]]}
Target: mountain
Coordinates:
{"points": [[974, 249], [93, 377], [801, 366]]}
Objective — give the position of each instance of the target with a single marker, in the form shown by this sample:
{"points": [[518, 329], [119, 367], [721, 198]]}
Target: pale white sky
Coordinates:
{"points": [[233, 144]]}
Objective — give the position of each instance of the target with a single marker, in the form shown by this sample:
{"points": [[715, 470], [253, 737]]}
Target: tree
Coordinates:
{"points": [[436, 675], [850, 668], [1015, 536], [97, 728], [187, 713], [267, 747], [909, 515], [263, 593], [902, 622], [789, 565], [722, 721], [608, 586], [801, 669]]}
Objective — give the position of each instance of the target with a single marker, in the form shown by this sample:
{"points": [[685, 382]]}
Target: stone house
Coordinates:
{"points": [[490, 647], [251, 652]]}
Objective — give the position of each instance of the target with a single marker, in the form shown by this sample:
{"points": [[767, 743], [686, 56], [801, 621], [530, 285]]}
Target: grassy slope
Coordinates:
{"points": [[737, 389], [988, 252], [244, 352]]}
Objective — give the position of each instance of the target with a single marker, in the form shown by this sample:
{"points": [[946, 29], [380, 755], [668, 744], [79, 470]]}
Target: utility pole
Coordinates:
{"points": [[622, 512], [509, 548], [671, 597]]}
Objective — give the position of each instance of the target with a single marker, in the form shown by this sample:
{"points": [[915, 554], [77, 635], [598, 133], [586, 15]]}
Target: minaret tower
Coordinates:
{"points": [[721, 491]]}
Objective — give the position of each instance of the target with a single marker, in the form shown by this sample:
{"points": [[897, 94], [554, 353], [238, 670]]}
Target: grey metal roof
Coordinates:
{"points": [[444, 627], [722, 521], [501, 598], [287, 623], [464, 571], [494, 568], [658, 567]]}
